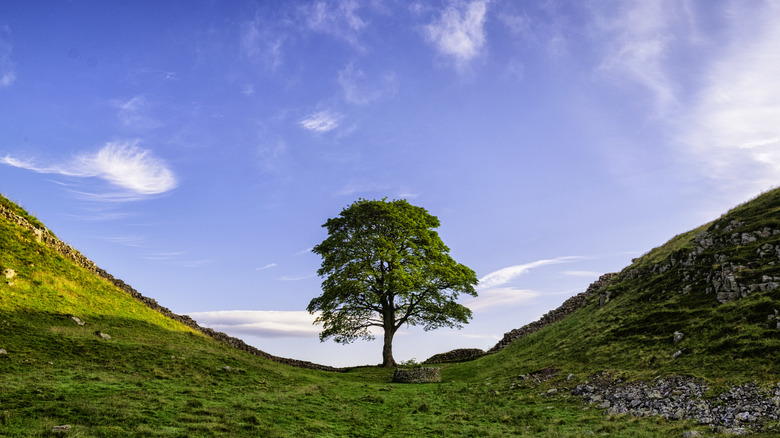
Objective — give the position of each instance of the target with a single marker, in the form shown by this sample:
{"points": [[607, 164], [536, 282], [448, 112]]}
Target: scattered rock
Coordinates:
{"points": [[677, 354], [678, 336], [2, 351], [731, 411], [9, 273], [102, 335], [77, 320], [61, 430], [227, 368], [417, 375]]}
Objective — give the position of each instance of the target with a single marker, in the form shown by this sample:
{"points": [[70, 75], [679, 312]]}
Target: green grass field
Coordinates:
{"points": [[157, 377]]}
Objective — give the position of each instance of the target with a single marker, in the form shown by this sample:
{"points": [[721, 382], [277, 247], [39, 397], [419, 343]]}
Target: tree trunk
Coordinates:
{"points": [[387, 349], [389, 327]]}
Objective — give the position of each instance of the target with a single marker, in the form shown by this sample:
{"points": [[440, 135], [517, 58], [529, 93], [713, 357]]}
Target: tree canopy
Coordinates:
{"points": [[384, 266]]}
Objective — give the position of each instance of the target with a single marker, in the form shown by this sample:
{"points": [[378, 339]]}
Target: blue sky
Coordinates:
{"points": [[194, 149]]}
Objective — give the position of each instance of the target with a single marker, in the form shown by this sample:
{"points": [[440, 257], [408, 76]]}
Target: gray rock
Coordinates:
{"points": [[77, 320], [678, 336], [9, 273], [105, 336], [2, 351], [691, 434], [677, 354], [61, 430]]}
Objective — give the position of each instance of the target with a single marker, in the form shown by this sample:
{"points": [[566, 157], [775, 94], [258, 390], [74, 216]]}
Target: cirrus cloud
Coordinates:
{"points": [[136, 171]]}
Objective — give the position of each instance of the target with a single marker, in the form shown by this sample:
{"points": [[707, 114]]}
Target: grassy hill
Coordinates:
{"points": [[156, 376]]}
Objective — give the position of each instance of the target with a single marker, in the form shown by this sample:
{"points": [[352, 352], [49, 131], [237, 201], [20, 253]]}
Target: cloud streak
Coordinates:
{"points": [[508, 274], [122, 164], [495, 289], [260, 323]]}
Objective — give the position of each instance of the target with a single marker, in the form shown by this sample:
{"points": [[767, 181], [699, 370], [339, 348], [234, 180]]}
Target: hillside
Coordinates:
{"points": [[691, 322], [716, 286]]}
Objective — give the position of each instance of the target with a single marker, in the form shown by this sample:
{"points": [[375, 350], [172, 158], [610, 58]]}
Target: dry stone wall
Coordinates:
{"points": [[417, 375], [567, 308], [47, 238], [459, 355]]}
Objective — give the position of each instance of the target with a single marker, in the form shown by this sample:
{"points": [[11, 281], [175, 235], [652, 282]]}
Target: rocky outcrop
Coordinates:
{"points": [[459, 355], [47, 238], [417, 375], [567, 308], [728, 260], [675, 398]]}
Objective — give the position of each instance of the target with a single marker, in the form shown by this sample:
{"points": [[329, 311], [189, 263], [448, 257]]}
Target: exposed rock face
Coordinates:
{"points": [[729, 260], [45, 237], [684, 398], [459, 355], [417, 375], [567, 308]]}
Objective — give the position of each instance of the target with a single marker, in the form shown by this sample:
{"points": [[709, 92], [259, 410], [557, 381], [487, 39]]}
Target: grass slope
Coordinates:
{"points": [[156, 377], [668, 290]]}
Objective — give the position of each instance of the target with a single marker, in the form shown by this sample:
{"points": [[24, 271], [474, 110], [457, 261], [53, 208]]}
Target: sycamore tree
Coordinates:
{"points": [[384, 266]]}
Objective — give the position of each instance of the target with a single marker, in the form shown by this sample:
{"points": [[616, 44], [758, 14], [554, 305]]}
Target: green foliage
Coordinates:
{"points": [[385, 266]]}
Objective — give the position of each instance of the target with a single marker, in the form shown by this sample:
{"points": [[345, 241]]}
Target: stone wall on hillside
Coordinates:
{"points": [[567, 308], [459, 355], [45, 237]]}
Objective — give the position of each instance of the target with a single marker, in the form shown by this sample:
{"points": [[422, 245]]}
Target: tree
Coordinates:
{"points": [[384, 266]]}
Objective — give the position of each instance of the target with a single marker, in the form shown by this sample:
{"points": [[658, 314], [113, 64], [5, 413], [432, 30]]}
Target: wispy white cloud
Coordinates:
{"points": [[264, 40], [296, 278], [460, 30], [133, 113], [130, 240], [165, 256], [270, 153], [268, 266], [7, 71], [338, 18], [359, 90], [496, 288], [123, 164], [593, 274], [261, 323], [508, 274], [733, 128], [500, 297], [322, 121], [638, 40]]}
